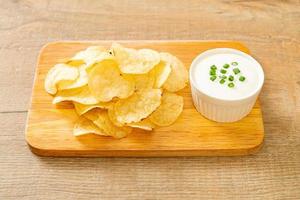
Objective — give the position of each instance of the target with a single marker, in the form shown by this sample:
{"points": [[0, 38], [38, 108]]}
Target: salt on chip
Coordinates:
{"points": [[138, 106], [80, 95], [107, 82], [145, 124], [79, 82], [168, 111], [58, 73], [82, 108], [84, 126], [104, 123], [178, 77], [133, 61]]}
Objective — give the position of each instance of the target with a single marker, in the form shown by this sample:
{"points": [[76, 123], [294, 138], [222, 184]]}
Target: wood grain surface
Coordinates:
{"points": [[49, 128], [269, 28]]}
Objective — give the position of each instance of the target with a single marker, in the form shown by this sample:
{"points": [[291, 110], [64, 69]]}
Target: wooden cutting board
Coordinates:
{"points": [[49, 127]]}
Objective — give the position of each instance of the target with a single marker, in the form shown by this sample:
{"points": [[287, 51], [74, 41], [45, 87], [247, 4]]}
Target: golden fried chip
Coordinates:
{"points": [[79, 82], [112, 116], [160, 73], [107, 82], [138, 106], [168, 111], [133, 61], [58, 73], [84, 126], [104, 123], [88, 56], [80, 95], [145, 124], [92, 114], [82, 108], [178, 77]]}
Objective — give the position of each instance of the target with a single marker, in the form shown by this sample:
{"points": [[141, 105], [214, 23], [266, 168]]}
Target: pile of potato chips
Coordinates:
{"points": [[116, 90]]}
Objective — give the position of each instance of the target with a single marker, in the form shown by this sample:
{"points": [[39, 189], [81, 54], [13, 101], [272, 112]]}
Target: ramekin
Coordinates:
{"points": [[223, 110]]}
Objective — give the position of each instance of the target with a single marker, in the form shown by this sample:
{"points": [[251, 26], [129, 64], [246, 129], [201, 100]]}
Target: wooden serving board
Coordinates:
{"points": [[49, 127]]}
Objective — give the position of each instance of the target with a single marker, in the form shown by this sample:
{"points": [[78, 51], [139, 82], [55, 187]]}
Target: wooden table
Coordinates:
{"points": [[271, 30]]}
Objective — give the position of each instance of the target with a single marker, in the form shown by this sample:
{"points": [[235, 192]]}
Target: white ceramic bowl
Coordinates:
{"points": [[220, 109]]}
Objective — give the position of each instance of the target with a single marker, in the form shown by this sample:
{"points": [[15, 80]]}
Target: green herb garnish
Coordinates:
{"points": [[222, 81], [242, 78], [234, 63], [236, 70], [213, 78], [231, 85], [231, 78], [213, 67], [223, 71], [226, 66], [212, 72]]}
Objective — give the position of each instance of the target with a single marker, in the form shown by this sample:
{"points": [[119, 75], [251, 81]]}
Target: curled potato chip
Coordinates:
{"points": [[80, 95], [113, 118], [160, 73], [138, 106], [107, 82], [104, 123], [79, 82], [92, 114], [178, 77], [145, 124], [84, 126], [133, 61], [58, 73], [88, 56], [168, 111], [82, 108]]}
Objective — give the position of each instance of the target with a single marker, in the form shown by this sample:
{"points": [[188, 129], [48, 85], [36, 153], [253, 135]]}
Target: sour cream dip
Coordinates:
{"points": [[225, 84]]}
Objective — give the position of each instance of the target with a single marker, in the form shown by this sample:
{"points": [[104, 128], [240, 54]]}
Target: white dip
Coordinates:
{"points": [[247, 66]]}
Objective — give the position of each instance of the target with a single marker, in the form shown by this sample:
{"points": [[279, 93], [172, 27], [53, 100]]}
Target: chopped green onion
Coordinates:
{"points": [[231, 85], [242, 78], [212, 72], [223, 77], [213, 78], [236, 70], [234, 63], [231, 78], [223, 71], [222, 81], [226, 66], [213, 67]]}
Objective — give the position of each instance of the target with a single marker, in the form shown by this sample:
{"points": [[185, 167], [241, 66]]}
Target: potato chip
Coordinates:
{"points": [[145, 124], [58, 73], [82, 108], [79, 82], [105, 55], [107, 82], [138, 106], [104, 123], [80, 95], [84, 126], [168, 111], [143, 81], [160, 73], [133, 61], [178, 77], [87, 56], [92, 114], [112, 116]]}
